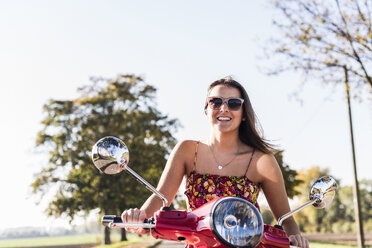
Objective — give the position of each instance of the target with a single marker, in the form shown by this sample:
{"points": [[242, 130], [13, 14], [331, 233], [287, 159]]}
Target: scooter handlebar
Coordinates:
{"points": [[114, 221]]}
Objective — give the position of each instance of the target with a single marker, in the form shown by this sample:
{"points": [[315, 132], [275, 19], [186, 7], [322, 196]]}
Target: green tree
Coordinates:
{"points": [[339, 215], [267, 216], [322, 39], [124, 108], [344, 222], [290, 176], [311, 219], [346, 218], [366, 202], [366, 192]]}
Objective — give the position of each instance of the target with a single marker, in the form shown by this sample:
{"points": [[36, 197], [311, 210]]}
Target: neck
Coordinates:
{"points": [[224, 141]]}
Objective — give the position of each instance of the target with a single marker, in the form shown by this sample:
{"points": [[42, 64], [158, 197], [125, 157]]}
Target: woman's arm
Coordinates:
{"points": [[272, 182], [171, 177], [169, 183]]}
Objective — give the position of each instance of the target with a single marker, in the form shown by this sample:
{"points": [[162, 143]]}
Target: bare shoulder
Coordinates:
{"points": [[185, 148], [266, 160], [186, 145], [183, 154], [266, 166]]}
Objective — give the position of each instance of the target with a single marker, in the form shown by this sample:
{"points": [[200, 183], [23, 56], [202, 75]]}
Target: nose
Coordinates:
{"points": [[224, 107]]}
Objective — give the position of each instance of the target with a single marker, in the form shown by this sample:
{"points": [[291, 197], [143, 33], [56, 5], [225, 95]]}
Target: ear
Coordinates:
{"points": [[243, 119]]}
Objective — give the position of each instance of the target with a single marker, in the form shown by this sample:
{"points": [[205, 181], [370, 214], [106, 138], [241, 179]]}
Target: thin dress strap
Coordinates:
{"points": [[196, 155], [250, 160]]}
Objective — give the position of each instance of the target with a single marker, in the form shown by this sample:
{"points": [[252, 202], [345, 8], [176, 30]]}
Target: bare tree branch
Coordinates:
{"points": [[318, 41]]}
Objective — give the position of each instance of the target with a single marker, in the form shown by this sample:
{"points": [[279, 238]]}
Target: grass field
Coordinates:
{"points": [[96, 239], [48, 241], [64, 240], [139, 243], [322, 245]]}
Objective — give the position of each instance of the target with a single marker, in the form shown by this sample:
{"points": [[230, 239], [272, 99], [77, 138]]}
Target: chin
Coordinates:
{"points": [[225, 129]]}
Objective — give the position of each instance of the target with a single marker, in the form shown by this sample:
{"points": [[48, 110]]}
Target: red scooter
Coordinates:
{"points": [[222, 222]]}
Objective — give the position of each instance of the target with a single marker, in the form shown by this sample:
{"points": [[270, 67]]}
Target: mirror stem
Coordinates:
{"points": [[149, 186], [289, 214]]}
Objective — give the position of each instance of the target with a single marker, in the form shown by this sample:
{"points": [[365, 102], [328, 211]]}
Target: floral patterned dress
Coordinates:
{"points": [[201, 188]]}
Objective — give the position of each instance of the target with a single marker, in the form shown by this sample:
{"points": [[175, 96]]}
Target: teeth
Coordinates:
{"points": [[223, 118]]}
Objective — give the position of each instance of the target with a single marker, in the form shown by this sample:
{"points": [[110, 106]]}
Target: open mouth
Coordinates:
{"points": [[223, 118]]}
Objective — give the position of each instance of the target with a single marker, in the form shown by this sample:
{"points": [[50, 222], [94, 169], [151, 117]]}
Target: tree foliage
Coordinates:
{"points": [[310, 219], [339, 215], [346, 217], [290, 176], [323, 38], [124, 108]]}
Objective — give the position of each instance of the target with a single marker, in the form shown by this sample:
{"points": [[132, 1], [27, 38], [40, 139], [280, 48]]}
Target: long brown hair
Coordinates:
{"points": [[250, 131]]}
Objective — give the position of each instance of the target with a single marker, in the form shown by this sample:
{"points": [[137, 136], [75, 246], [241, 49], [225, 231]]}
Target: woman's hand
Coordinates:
{"points": [[134, 215], [298, 240]]}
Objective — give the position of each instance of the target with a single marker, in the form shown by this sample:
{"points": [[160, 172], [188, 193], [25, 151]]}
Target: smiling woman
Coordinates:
{"points": [[249, 129], [234, 161], [48, 55]]}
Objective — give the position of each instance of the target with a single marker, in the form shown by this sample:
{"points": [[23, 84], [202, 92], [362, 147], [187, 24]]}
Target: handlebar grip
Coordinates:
{"points": [[117, 219], [107, 219]]}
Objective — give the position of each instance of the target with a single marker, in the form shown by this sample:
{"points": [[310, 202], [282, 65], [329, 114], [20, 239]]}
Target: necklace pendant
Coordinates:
{"points": [[220, 167]]}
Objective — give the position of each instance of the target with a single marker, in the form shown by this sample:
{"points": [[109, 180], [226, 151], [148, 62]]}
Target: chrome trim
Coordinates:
{"points": [[148, 186], [111, 156], [321, 195], [124, 225], [289, 214]]}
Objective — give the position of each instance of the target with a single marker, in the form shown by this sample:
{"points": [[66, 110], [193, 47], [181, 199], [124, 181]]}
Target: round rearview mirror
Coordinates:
{"points": [[324, 189], [110, 155]]}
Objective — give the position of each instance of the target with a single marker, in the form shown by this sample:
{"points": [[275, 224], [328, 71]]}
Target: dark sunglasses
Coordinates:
{"points": [[232, 103]]}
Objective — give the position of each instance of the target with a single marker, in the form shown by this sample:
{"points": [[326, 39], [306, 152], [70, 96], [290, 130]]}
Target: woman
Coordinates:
{"points": [[235, 161]]}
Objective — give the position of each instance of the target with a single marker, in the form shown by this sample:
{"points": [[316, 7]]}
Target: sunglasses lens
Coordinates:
{"points": [[215, 103], [234, 103]]}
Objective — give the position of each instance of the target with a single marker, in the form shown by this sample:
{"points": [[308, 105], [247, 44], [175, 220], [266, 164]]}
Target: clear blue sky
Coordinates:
{"points": [[50, 48]]}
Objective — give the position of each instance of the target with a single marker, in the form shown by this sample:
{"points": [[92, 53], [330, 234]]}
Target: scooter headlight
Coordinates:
{"points": [[236, 222]]}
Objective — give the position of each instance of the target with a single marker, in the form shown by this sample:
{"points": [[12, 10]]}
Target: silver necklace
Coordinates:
{"points": [[219, 165]]}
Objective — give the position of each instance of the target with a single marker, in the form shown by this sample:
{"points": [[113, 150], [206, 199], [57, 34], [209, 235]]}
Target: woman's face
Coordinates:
{"points": [[224, 119]]}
